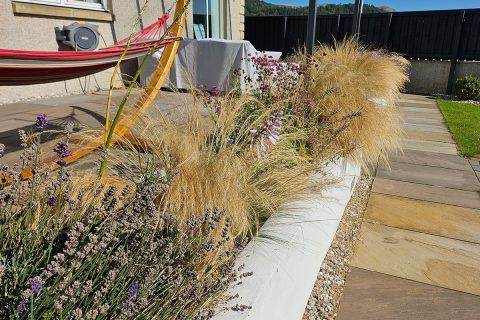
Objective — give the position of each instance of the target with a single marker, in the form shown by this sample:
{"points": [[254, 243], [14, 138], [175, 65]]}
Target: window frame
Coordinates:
{"points": [[102, 6]]}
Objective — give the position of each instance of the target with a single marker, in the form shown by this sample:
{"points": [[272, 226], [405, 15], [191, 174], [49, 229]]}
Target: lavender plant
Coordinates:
{"points": [[110, 256]]}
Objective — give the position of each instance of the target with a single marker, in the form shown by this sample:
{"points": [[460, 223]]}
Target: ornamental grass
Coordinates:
{"points": [[248, 167], [351, 84]]}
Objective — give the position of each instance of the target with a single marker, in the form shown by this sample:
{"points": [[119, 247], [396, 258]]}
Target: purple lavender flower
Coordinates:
{"points": [[41, 122], [21, 307], [131, 295], [62, 152], [35, 285], [132, 292], [52, 201]]}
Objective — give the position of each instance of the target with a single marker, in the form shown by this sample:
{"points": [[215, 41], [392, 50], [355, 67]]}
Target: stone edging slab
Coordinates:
{"points": [[286, 257]]}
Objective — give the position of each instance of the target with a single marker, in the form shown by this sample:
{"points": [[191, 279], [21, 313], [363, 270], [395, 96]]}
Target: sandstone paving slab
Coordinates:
{"points": [[418, 120], [429, 136], [421, 115], [417, 101], [444, 262], [17, 123], [475, 163], [432, 159], [435, 176], [426, 108], [9, 111], [423, 216], [431, 146], [431, 111], [467, 199], [425, 127], [66, 100], [375, 296]]}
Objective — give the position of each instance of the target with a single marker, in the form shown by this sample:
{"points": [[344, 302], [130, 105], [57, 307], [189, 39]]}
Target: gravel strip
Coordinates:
{"points": [[324, 300], [455, 99]]}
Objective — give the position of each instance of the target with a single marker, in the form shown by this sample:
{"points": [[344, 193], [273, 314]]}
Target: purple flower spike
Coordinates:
{"points": [[132, 292], [52, 201], [269, 132], [131, 295], [62, 152], [21, 307], [41, 122], [35, 285]]}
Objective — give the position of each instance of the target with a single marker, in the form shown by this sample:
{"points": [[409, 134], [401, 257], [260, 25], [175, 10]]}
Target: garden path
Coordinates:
{"points": [[418, 254]]}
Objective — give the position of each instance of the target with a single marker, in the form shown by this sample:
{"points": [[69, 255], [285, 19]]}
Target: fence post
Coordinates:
{"points": [[312, 19], [337, 30], [387, 30], [455, 49], [284, 35]]}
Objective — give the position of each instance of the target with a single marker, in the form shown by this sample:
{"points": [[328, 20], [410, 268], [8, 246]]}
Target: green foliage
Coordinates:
{"points": [[467, 88], [73, 249], [463, 120], [262, 8]]}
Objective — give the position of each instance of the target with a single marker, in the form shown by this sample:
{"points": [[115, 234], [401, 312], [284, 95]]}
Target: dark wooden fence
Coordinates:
{"points": [[451, 35]]}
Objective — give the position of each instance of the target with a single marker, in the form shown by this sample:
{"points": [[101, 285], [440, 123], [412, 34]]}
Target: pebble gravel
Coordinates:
{"points": [[325, 298]]}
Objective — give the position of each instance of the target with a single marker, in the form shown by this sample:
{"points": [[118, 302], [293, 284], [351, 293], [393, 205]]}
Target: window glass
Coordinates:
{"points": [[81, 4]]}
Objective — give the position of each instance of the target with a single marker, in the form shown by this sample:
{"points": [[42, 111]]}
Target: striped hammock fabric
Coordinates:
{"points": [[18, 67]]}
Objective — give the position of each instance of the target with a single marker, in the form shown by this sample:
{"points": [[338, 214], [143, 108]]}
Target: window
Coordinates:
{"points": [[81, 4], [208, 15]]}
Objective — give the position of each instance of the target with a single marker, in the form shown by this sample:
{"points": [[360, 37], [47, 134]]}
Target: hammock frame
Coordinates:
{"points": [[146, 98]]}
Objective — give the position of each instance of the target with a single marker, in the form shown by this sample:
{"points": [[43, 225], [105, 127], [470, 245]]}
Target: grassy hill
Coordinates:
{"points": [[262, 8]]}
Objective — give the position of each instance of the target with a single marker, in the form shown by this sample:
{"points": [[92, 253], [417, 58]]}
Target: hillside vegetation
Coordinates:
{"points": [[262, 8]]}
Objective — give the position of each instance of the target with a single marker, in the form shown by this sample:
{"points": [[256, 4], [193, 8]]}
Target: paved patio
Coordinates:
{"points": [[86, 111], [418, 256]]}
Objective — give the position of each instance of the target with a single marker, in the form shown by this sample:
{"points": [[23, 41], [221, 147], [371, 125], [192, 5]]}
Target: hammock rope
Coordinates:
{"points": [[151, 33]]}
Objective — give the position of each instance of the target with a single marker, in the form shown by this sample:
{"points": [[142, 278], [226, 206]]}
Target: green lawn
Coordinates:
{"points": [[463, 120]]}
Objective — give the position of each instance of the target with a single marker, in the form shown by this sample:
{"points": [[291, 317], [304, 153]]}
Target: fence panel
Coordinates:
{"points": [[470, 39], [327, 28], [296, 33], [375, 29], [423, 34], [266, 34]]}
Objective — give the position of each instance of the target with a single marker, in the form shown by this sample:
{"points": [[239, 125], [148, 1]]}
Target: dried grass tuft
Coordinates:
{"points": [[357, 89], [212, 171]]}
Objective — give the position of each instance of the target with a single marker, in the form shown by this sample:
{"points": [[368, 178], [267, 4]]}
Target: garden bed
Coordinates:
{"points": [[155, 232]]}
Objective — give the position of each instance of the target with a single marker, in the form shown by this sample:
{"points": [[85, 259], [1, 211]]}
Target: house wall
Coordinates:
{"points": [[237, 16], [34, 32], [431, 76]]}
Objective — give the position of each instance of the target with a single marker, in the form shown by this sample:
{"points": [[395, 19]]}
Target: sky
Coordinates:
{"points": [[398, 5]]}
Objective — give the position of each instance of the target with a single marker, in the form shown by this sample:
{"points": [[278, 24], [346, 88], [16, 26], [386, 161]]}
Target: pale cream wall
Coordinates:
{"points": [[28, 32], [233, 11]]}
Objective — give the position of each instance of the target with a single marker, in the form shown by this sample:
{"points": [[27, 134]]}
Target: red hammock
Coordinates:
{"points": [[19, 67]]}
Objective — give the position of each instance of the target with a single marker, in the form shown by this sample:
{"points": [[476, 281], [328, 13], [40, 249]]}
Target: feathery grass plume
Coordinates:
{"points": [[212, 161], [359, 87]]}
